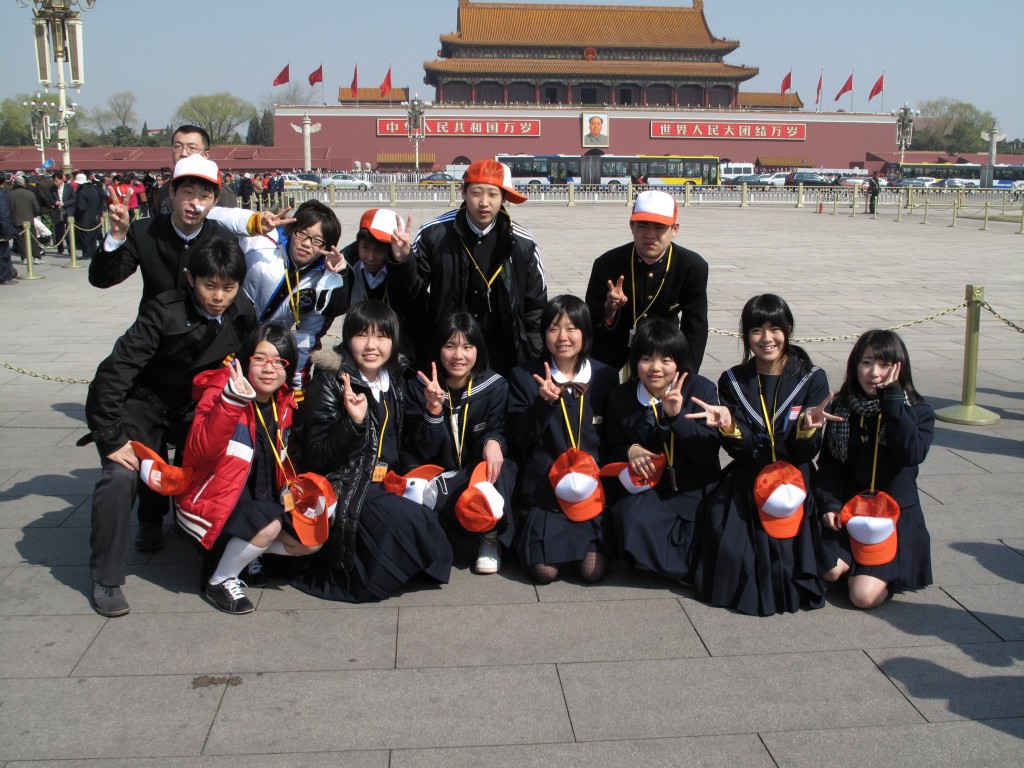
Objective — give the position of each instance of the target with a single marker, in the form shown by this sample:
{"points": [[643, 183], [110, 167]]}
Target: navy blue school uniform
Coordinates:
{"points": [[477, 413], [907, 433], [655, 529], [378, 541], [539, 434], [738, 565]]}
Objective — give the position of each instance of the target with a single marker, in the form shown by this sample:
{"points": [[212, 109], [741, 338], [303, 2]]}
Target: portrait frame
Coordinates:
{"points": [[587, 136]]}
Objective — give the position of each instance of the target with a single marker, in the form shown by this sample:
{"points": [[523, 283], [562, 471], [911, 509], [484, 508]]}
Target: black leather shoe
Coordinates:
{"points": [[150, 537], [108, 601]]}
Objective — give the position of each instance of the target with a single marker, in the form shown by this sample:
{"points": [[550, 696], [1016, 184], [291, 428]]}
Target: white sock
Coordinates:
{"points": [[237, 554], [277, 548]]}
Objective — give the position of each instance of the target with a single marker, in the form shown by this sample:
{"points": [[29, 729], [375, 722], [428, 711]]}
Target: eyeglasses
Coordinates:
{"points": [[303, 237], [192, 148], [277, 363]]}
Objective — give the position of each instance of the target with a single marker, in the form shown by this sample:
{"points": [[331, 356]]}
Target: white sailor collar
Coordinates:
{"points": [[583, 377]]}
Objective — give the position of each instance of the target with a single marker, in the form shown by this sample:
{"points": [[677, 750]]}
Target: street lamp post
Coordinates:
{"points": [[57, 28], [416, 109], [40, 111], [904, 128]]}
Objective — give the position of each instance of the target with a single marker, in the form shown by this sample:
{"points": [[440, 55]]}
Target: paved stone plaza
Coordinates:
{"points": [[492, 670]]}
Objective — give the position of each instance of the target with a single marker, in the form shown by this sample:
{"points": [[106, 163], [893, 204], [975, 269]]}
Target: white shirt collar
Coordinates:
{"points": [[382, 384], [183, 236], [372, 280], [583, 377], [480, 232], [643, 395]]}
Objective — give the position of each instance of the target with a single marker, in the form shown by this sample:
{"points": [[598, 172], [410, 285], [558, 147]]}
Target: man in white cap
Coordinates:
{"points": [[649, 277], [476, 259]]}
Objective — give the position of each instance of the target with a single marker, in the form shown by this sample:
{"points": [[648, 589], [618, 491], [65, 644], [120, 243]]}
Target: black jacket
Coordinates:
{"points": [[438, 273], [153, 246], [88, 206], [156, 359], [6, 223], [683, 296], [339, 449], [24, 207]]}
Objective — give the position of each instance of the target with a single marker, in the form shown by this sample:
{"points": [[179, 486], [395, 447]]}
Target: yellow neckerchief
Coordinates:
{"points": [[575, 443], [632, 276], [480, 272], [670, 446], [769, 421], [277, 429], [459, 440]]}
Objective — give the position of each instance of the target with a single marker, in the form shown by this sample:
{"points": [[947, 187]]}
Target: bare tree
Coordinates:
{"points": [[102, 120], [122, 105], [220, 114]]}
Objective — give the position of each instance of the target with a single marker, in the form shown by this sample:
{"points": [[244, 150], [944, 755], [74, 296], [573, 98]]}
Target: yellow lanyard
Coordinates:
{"points": [[874, 461], [769, 421], [270, 437], [632, 276], [293, 296], [670, 446], [579, 434], [480, 272], [459, 440], [380, 442]]}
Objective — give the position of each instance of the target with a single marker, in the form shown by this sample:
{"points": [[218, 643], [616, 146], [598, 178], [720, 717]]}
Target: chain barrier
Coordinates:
{"points": [[854, 336], [43, 376], [1009, 322]]}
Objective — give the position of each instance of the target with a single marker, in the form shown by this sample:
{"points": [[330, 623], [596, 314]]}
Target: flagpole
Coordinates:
{"points": [[883, 92], [852, 73]]}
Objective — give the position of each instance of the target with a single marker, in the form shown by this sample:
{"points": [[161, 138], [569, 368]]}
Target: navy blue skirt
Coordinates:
{"points": [[655, 531], [548, 537]]}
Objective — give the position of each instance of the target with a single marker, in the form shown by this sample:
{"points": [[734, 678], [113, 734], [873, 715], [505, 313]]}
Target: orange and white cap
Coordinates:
{"points": [[198, 166], [417, 485], [779, 492], [630, 480], [576, 480], [871, 520], [315, 504], [380, 223], [496, 174], [480, 506], [655, 205], [162, 477]]}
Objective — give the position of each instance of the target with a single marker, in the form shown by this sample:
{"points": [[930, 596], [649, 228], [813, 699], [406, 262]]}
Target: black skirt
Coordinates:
{"points": [[654, 531], [548, 537]]}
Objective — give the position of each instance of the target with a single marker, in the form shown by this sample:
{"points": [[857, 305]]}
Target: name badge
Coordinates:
{"points": [[379, 470]]}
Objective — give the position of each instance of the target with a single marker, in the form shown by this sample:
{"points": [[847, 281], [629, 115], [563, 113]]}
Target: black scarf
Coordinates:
{"points": [[839, 431]]}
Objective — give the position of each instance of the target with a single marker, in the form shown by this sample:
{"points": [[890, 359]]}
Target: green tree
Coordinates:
{"points": [[267, 127], [253, 136], [15, 121], [951, 126], [220, 114]]}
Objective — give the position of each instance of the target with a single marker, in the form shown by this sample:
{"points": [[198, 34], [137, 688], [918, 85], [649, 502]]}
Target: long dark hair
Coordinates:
{"points": [[466, 325], [373, 314], [888, 347], [658, 336], [769, 309], [576, 310]]}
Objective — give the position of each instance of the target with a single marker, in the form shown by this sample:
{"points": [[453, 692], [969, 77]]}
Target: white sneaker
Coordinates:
{"points": [[488, 555]]}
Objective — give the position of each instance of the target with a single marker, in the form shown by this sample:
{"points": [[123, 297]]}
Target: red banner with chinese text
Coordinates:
{"points": [[462, 127], [688, 129]]}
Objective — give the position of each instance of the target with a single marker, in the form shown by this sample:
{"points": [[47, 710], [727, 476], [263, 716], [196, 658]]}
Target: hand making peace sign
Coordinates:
{"points": [[355, 403], [239, 383], [333, 260], [672, 399], [549, 391], [816, 417], [616, 298], [401, 240], [716, 415], [433, 391]]}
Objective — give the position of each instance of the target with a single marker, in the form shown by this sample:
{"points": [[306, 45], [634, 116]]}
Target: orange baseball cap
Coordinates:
{"points": [[496, 174], [576, 480], [315, 504], [162, 477], [779, 492], [417, 485], [480, 506], [655, 205], [871, 520], [630, 480], [380, 223]]}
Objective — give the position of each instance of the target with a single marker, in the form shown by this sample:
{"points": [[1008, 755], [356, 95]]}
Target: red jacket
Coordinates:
{"points": [[219, 450]]}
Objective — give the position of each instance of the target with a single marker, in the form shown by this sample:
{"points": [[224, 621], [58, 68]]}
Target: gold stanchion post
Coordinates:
{"points": [[968, 412], [73, 264], [26, 251]]}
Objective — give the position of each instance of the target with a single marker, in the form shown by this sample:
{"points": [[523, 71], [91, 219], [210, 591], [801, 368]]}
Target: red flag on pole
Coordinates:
{"points": [[847, 87], [355, 82], [787, 83], [878, 87], [282, 78], [317, 76], [817, 99], [385, 87]]}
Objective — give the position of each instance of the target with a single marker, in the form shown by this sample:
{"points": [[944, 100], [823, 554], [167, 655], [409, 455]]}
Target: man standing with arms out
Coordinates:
{"points": [[475, 259], [649, 277]]}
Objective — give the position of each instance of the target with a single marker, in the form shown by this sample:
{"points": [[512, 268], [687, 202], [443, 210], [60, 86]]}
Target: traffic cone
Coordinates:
{"points": [[821, 207]]}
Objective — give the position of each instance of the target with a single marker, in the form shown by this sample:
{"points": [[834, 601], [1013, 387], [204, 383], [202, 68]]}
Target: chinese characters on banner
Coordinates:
{"points": [[686, 129], [463, 126]]}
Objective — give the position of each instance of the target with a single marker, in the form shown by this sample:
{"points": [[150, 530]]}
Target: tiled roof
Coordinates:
{"points": [[371, 94], [771, 100], [597, 70], [596, 26], [786, 161]]}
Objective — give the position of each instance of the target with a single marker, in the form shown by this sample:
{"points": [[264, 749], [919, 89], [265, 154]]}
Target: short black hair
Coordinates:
{"points": [[277, 334], [466, 325], [373, 314], [576, 310], [189, 128], [218, 257], [312, 212], [660, 336], [209, 186]]}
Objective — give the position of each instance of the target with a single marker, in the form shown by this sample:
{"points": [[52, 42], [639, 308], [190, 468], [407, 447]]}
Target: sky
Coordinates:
{"points": [[167, 51]]}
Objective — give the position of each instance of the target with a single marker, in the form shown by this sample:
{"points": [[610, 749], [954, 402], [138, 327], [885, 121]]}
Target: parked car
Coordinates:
{"points": [[309, 177], [915, 181], [750, 179], [851, 181], [955, 183], [777, 179], [345, 181], [291, 181], [438, 179], [807, 179]]}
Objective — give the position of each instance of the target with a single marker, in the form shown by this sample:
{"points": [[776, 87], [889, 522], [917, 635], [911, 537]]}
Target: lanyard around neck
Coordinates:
{"points": [[293, 296], [769, 421], [487, 282], [874, 461], [459, 440], [280, 441], [632, 275], [670, 446], [384, 426], [575, 443]]}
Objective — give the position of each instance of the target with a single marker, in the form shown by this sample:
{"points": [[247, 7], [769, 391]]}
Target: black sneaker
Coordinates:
{"points": [[255, 575], [108, 601], [229, 597], [150, 537]]}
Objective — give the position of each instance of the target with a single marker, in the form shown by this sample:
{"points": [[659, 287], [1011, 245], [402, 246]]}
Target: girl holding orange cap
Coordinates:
{"points": [[758, 551], [883, 437]]}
